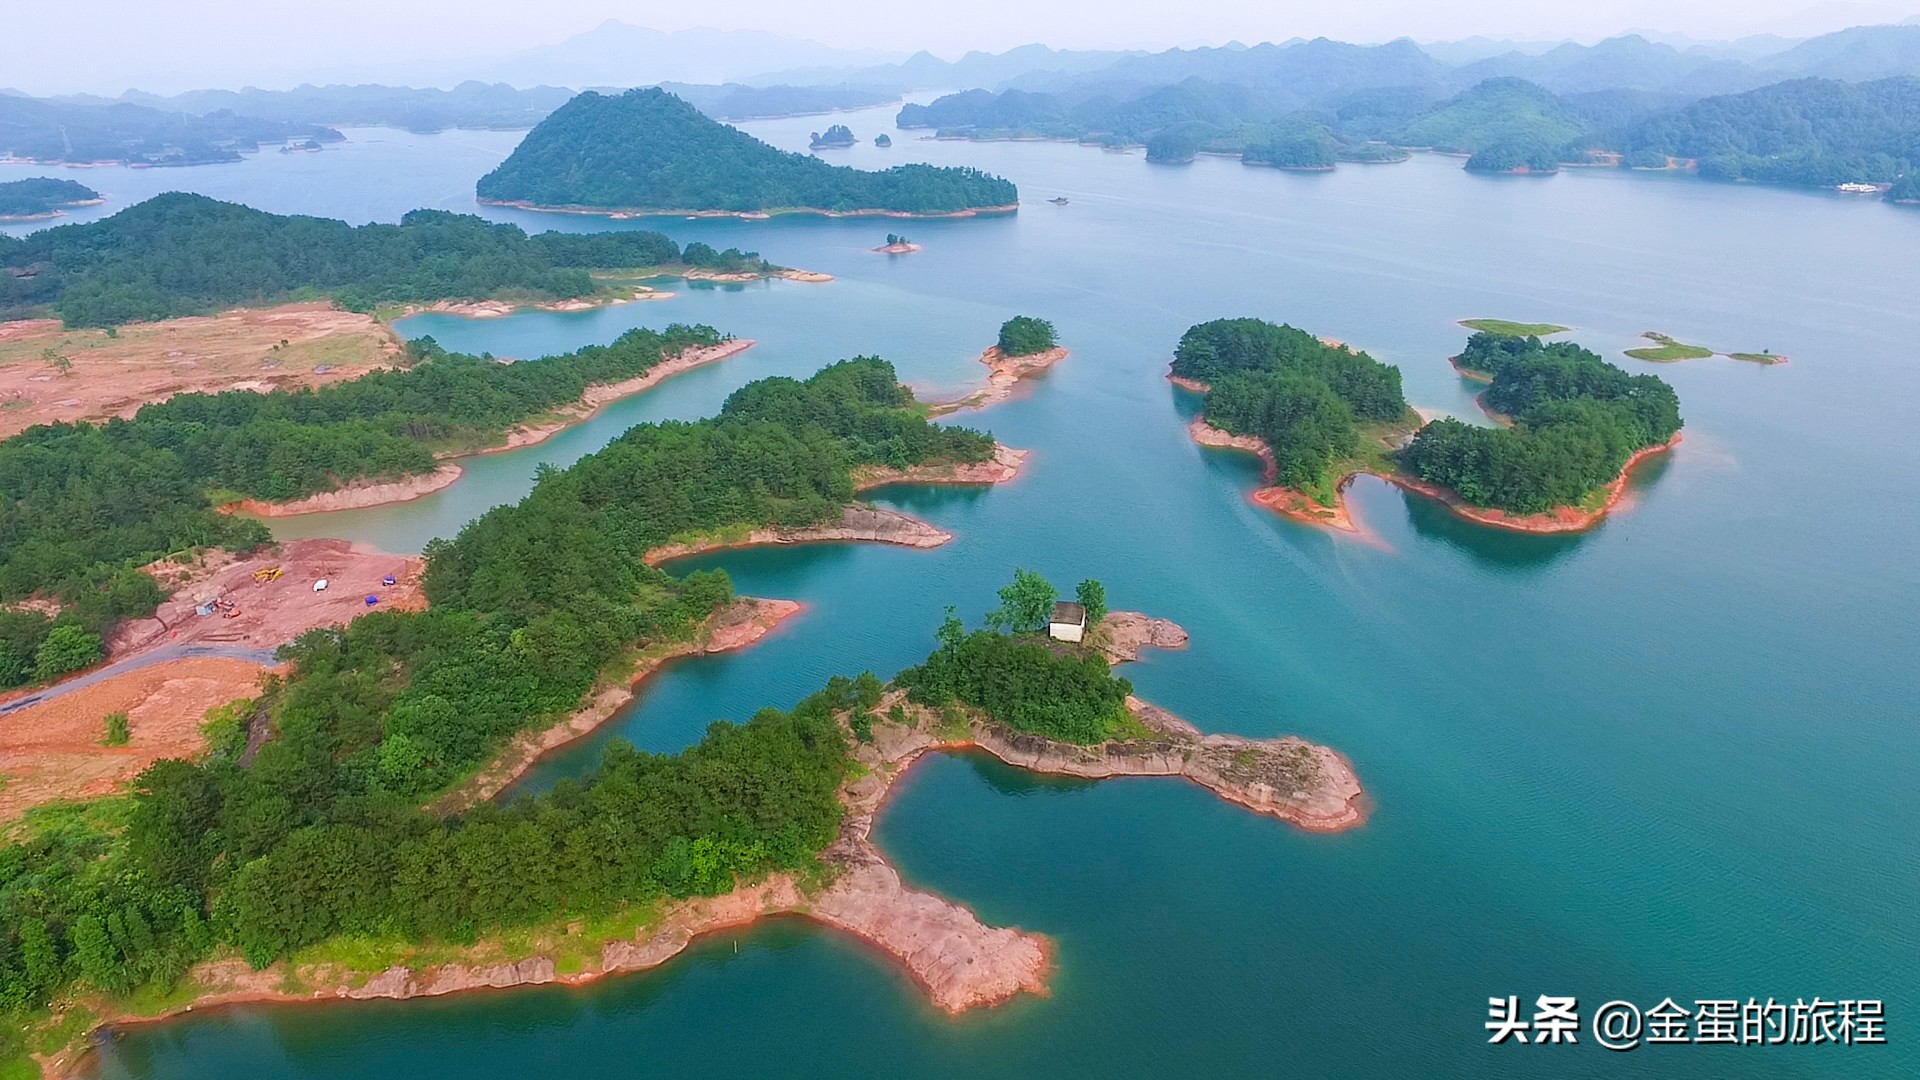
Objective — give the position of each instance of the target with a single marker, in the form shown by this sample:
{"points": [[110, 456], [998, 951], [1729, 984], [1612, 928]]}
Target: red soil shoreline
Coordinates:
{"points": [[1004, 374], [1295, 504]]}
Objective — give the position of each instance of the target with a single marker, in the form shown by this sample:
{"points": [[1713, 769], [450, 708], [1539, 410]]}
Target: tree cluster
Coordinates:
{"points": [[1021, 678], [648, 149], [1576, 421], [1305, 398], [836, 135], [83, 133], [1024, 335]]}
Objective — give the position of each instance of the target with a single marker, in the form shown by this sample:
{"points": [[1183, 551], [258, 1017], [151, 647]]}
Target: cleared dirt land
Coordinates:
{"points": [[270, 613], [52, 750], [246, 349]]}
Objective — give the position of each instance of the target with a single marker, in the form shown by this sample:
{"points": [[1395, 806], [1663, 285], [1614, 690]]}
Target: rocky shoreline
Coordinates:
{"points": [[1003, 466], [1292, 503], [869, 524], [1003, 374], [624, 212], [961, 962]]}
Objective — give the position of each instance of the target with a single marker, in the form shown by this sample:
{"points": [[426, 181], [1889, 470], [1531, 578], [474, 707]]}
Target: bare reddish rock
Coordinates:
{"points": [[1122, 634]]}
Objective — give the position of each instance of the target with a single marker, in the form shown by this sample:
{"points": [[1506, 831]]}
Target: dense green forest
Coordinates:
{"points": [[1808, 131], [1304, 398], [1024, 335], [836, 135], [646, 149], [320, 834], [1576, 421], [38, 195], [1292, 145], [179, 254], [84, 133], [1515, 155], [87, 504]]}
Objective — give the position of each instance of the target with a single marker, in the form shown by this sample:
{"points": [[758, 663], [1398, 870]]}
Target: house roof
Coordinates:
{"points": [[1065, 612]]}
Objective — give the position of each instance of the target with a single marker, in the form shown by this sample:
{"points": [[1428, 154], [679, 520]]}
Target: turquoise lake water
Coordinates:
{"points": [[1676, 756]]}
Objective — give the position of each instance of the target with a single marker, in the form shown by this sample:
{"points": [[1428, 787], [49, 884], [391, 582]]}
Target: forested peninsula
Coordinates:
{"points": [[647, 151], [179, 254], [1318, 413], [306, 869], [42, 197]]}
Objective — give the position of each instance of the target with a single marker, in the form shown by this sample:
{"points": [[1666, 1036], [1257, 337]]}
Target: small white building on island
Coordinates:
{"points": [[1069, 622]]}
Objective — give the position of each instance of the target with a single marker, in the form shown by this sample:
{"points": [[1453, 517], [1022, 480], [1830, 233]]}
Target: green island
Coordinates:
{"points": [[1025, 335], [1576, 424], [1505, 328], [179, 254], [42, 197], [1318, 412], [1667, 350], [652, 152], [837, 135]]}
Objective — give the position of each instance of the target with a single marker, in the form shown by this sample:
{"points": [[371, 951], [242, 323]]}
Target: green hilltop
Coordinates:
{"points": [[649, 150]]}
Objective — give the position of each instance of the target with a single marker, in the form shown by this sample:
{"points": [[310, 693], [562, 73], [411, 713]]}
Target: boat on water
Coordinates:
{"points": [[1058, 200]]}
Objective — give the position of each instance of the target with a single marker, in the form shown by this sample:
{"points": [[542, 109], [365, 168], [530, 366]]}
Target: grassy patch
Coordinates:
{"points": [[1504, 328], [1759, 357], [1666, 350]]}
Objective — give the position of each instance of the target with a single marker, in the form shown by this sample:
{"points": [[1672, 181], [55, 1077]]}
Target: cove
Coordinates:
{"points": [[1672, 756]]}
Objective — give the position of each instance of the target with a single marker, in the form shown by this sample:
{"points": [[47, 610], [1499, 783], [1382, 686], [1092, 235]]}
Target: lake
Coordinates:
{"points": [[1673, 757]]}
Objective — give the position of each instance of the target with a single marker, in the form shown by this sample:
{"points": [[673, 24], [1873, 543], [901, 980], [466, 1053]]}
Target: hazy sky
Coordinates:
{"points": [[112, 44]]}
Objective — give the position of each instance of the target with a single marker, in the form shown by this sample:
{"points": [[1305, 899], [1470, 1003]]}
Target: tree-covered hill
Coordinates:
{"points": [[179, 254], [649, 150], [1576, 421], [1494, 112], [1808, 131], [39, 195]]}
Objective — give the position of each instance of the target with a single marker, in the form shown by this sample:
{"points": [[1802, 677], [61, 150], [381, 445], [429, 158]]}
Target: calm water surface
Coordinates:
{"points": [[1674, 757]]}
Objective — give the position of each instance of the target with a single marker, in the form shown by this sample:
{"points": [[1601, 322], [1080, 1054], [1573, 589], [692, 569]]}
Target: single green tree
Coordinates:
{"points": [[66, 649], [1092, 596], [116, 730], [1026, 604]]}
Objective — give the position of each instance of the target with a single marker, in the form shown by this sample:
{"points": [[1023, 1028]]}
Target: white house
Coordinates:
{"points": [[1069, 622]]}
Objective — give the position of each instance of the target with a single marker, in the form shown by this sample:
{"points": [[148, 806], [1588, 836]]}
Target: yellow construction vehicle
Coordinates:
{"points": [[267, 574]]}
